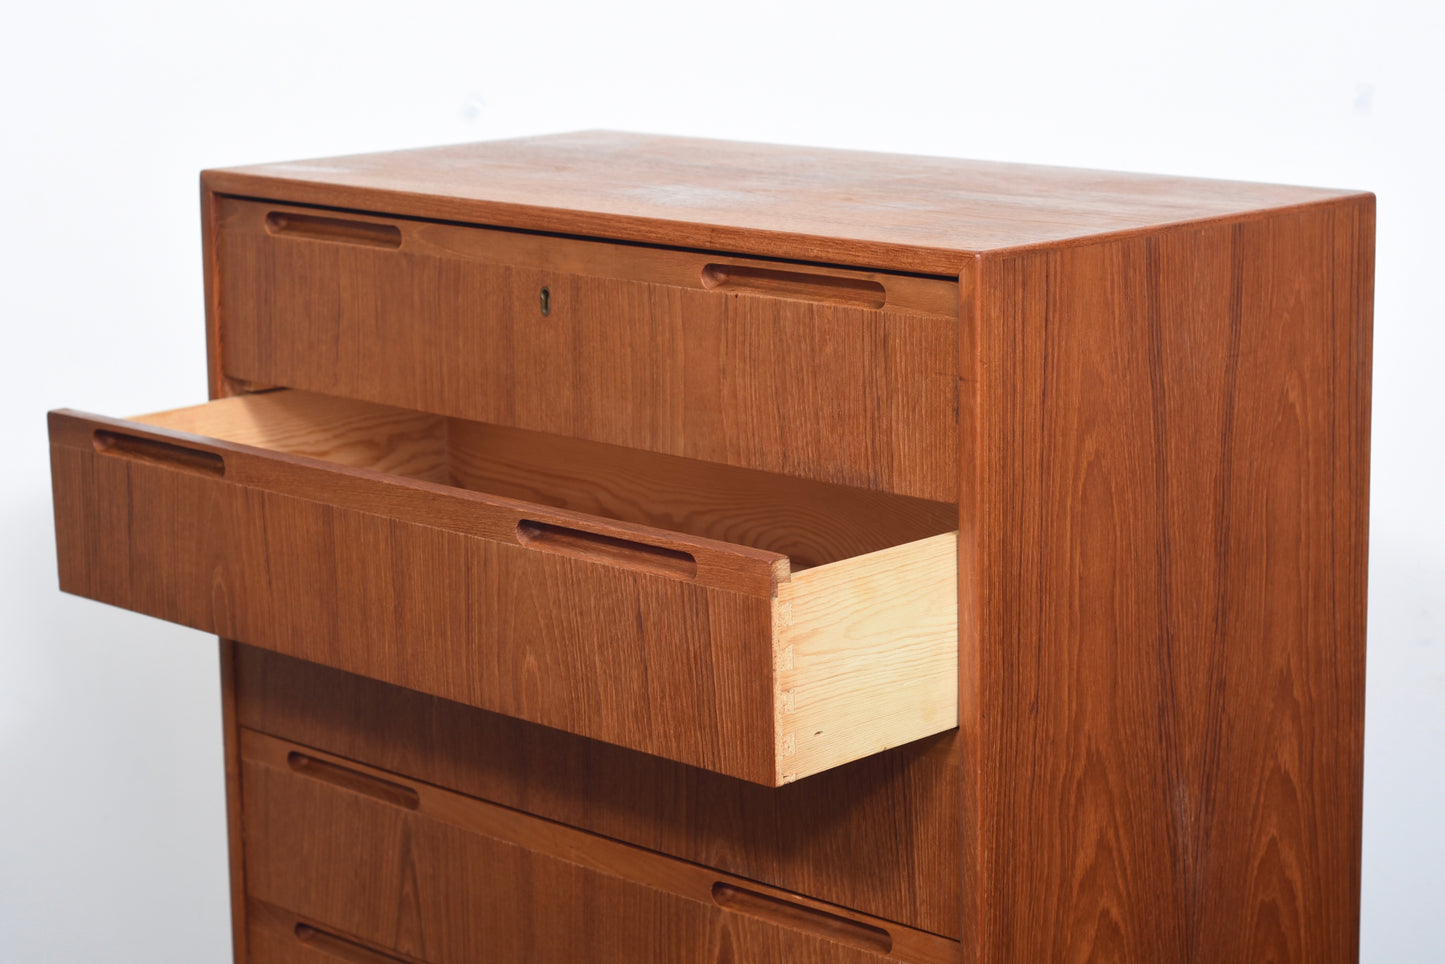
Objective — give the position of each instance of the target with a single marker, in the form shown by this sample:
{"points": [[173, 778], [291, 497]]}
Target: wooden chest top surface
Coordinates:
{"points": [[904, 213]]}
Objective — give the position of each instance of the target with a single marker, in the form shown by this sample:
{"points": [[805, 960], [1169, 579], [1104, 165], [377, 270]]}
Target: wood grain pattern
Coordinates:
{"points": [[920, 214], [879, 835], [447, 876], [866, 655], [810, 522], [394, 441], [1173, 476], [629, 356], [1151, 408], [601, 628], [697, 270], [428, 601], [189, 461]]}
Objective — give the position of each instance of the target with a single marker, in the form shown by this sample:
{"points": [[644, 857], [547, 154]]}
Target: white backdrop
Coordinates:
{"points": [[112, 844]]}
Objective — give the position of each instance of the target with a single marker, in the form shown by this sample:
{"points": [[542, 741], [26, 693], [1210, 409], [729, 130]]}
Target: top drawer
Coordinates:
{"points": [[841, 376]]}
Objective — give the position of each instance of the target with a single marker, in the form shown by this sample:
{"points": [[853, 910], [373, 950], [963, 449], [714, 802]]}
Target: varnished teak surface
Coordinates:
{"points": [[441, 877], [1152, 410], [635, 349], [885, 211], [880, 835], [1169, 519]]}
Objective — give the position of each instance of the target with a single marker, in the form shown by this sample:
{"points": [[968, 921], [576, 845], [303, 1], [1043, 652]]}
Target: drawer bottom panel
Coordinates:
{"points": [[374, 864]]}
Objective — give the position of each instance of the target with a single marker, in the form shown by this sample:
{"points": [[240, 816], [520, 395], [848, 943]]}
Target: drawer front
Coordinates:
{"points": [[704, 652], [416, 585], [881, 835], [842, 376], [382, 862]]}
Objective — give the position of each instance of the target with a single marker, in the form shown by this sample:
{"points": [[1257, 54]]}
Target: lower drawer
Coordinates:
{"points": [[370, 862]]}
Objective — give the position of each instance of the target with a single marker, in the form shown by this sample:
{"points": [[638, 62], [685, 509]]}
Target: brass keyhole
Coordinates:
{"points": [[546, 301]]}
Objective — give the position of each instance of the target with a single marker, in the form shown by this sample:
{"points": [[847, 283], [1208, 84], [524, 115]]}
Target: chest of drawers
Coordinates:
{"points": [[632, 548]]}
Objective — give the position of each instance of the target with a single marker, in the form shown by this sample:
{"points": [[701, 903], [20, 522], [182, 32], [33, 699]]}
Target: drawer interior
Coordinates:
{"points": [[813, 523]]}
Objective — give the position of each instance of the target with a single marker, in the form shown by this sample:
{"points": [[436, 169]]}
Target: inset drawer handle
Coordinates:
{"points": [[341, 948], [316, 227], [786, 913], [168, 454], [834, 289], [354, 780], [608, 549]]}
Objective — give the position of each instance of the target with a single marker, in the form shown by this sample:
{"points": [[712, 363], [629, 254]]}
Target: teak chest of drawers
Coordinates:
{"points": [[630, 548]]}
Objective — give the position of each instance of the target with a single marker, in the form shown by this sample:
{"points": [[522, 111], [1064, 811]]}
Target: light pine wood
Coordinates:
{"points": [[272, 546], [340, 430], [866, 655], [308, 811], [894, 814], [840, 393]]}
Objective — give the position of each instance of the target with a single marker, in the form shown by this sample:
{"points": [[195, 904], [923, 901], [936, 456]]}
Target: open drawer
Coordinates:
{"points": [[756, 625]]}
